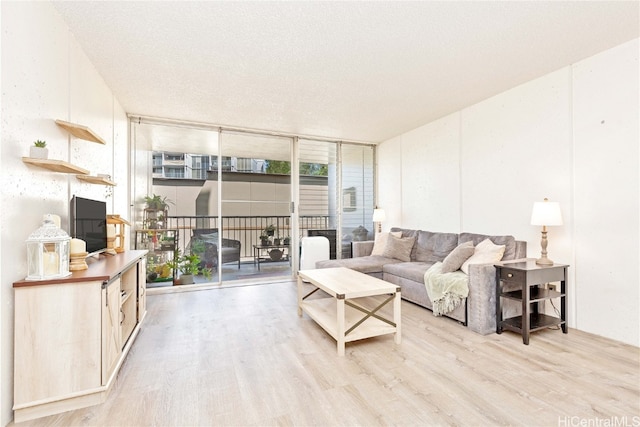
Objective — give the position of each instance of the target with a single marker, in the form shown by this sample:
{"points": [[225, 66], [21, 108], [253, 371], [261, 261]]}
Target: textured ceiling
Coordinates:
{"points": [[364, 71]]}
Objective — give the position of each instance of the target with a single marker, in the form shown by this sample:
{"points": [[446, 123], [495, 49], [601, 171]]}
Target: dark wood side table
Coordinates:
{"points": [[531, 279]]}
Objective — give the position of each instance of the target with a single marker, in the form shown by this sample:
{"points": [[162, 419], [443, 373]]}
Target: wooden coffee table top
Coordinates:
{"points": [[344, 283]]}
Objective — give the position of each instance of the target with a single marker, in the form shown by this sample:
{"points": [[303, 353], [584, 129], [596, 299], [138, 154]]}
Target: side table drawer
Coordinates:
{"points": [[509, 275]]}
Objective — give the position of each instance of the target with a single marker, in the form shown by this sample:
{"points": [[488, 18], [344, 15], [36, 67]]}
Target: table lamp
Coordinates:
{"points": [[545, 214], [378, 217]]}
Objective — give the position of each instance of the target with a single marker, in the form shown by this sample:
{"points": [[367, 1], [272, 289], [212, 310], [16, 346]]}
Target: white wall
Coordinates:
{"points": [[571, 136], [606, 150], [46, 76]]}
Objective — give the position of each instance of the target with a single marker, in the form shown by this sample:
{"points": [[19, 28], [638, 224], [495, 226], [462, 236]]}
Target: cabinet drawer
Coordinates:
{"points": [[509, 275]]}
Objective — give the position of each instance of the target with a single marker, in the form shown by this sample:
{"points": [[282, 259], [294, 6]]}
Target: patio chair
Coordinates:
{"points": [[231, 249]]}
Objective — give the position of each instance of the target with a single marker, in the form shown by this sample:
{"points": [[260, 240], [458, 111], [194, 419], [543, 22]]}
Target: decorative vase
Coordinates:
{"points": [[275, 254], [38, 152]]}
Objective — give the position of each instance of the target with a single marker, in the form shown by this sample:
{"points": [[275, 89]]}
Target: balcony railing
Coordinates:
{"points": [[246, 229]]}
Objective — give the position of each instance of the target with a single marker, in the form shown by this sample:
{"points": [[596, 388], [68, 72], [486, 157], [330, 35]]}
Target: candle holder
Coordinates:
{"points": [[77, 261]]}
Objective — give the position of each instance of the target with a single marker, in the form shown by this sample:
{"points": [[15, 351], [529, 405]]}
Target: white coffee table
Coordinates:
{"points": [[350, 313]]}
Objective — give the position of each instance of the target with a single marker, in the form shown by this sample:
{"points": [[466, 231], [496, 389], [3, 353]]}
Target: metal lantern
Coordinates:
{"points": [[48, 252]]}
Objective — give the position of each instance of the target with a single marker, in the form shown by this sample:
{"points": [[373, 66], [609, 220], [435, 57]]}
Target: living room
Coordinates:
{"points": [[570, 134]]}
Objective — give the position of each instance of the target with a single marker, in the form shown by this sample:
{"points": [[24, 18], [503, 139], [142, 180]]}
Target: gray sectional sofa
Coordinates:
{"points": [[478, 312]]}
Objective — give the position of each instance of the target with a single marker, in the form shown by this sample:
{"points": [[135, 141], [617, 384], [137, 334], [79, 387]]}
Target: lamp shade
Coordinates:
{"points": [[546, 213], [378, 215]]}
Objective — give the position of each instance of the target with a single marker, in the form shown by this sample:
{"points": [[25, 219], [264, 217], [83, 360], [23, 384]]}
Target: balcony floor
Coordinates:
{"points": [[247, 271]]}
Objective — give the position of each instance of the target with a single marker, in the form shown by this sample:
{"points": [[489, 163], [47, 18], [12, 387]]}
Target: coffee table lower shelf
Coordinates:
{"points": [[323, 312]]}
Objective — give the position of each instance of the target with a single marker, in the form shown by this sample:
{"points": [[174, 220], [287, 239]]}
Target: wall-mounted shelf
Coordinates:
{"points": [[61, 166], [80, 131], [56, 165], [95, 180]]}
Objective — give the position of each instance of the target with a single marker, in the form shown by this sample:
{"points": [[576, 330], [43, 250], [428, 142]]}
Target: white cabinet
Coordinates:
{"points": [[72, 334]]}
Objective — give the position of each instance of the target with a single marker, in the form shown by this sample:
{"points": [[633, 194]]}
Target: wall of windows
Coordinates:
{"points": [[233, 181]]}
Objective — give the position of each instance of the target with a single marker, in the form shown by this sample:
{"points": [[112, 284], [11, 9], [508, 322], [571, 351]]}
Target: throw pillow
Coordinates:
{"points": [[486, 252], [399, 247], [457, 257], [381, 241]]}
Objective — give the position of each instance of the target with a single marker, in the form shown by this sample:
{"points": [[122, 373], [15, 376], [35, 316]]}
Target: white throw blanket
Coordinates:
{"points": [[446, 290]]}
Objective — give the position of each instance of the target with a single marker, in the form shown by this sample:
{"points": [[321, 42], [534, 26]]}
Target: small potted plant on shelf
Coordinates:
{"points": [[270, 230], [264, 239], [39, 150], [157, 203], [152, 275], [156, 211]]}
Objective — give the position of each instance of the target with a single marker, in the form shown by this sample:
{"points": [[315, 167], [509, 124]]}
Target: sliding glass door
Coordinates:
{"points": [[240, 202], [357, 198], [255, 207], [174, 164], [318, 195]]}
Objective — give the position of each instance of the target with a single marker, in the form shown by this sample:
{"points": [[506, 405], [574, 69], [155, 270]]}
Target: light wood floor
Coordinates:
{"points": [[241, 356]]}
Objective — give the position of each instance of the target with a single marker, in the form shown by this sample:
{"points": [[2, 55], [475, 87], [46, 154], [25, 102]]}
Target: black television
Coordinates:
{"points": [[88, 222]]}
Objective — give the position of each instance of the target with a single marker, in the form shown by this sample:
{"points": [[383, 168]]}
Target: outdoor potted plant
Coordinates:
{"points": [[152, 275], [270, 230], [156, 211], [39, 150], [188, 266], [264, 239]]}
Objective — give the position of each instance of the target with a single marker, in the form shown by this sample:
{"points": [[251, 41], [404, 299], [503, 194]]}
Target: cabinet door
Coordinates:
{"points": [[128, 298], [57, 341], [142, 289], [111, 347]]}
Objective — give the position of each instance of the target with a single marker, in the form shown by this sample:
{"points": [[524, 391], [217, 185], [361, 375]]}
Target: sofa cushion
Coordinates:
{"points": [[433, 247], [381, 241], [486, 252], [406, 232], [408, 270], [399, 248], [365, 264], [457, 257], [508, 241]]}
